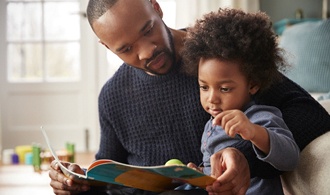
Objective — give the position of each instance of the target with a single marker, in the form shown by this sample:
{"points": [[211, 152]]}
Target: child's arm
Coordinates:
{"points": [[236, 122], [267, 131]]}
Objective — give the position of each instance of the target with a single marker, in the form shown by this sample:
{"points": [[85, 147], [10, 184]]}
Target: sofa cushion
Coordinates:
{"points": [[312, 173], [307, 45]]}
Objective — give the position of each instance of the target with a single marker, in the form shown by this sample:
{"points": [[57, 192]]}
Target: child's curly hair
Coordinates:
{"points": [[231, 34]]}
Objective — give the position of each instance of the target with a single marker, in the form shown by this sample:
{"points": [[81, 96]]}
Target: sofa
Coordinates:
{"points": [[307, 47], [312, 175]]}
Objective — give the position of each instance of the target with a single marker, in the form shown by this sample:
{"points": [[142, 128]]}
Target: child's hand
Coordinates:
{"points": [[193, 166], [235, 122]]}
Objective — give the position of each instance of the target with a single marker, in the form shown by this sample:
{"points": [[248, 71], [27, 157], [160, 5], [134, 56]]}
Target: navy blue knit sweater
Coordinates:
{"points": [[147, 120]]}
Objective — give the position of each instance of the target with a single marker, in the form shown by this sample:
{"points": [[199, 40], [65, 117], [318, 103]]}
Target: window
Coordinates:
{"points": [[169, 10], [43, 40]]}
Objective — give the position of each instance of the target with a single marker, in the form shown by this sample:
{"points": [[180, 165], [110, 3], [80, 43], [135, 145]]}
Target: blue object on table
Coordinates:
{"points": [[29, 158], [14, 159]]}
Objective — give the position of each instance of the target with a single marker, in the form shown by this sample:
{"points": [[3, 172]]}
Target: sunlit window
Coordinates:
{"points": [[169, 10], [43, 40]]}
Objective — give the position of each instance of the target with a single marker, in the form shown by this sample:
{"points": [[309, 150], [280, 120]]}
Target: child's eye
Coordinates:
{"points": [[203, 88], [224, 89]]}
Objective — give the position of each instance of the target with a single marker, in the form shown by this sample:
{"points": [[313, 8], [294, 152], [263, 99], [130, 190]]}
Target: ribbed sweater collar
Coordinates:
{"points": [[155, 78]]}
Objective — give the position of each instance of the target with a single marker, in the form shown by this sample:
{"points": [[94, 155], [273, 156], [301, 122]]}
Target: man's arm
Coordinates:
{"points": [[304, 116]]}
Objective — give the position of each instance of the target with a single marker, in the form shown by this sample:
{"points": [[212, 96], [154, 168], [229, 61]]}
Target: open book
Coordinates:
{"points": [[151, 178]]}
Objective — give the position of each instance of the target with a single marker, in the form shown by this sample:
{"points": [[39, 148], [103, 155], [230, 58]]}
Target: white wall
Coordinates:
{"points": [[189, 10], [2, 56]]}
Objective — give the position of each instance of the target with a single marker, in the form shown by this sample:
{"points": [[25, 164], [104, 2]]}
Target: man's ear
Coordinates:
{"points": [[103, 44], [254, 88], [157, 8]]}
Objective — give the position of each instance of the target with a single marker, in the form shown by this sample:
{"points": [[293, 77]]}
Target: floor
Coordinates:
{"points": [[22, 180]]}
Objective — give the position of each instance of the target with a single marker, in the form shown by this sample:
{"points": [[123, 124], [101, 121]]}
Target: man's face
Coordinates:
{"points": [[134, 31]]}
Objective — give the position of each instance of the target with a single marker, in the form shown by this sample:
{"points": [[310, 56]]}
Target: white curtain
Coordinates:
{"points": [[187, 11]]}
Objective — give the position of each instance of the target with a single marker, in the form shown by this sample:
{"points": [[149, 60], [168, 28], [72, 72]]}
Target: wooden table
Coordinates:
{"points": [[22, 180]]}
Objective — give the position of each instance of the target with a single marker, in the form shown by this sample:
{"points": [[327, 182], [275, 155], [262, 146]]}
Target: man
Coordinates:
{"points": [[150, 112]]}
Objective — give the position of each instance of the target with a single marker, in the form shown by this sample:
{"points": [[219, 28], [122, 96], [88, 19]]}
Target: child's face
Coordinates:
{"points": [[223, 86]]}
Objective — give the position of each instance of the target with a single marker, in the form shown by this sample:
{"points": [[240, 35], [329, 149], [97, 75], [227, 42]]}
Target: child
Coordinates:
{"points": [[235, 56]]}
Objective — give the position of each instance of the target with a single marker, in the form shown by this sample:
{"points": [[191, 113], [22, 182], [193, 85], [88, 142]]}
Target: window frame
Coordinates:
{"points": [[44, 43]]}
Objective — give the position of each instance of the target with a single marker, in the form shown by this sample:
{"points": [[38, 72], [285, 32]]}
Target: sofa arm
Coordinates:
{"points": [[325, 104], [312, 175]]}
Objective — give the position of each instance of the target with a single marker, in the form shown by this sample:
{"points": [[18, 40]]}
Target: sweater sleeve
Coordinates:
{"points": [[257, 167], [304, 116], [110, 146], [284, 152]]}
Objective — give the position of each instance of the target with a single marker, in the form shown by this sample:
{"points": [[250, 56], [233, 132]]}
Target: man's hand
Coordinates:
{"points": [[63, 185], [231, 169]]}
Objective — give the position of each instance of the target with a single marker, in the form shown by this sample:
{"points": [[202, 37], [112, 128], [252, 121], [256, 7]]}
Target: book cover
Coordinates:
{"points": [[152, 178]]}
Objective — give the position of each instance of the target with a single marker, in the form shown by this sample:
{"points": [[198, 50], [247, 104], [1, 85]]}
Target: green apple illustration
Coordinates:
{"points": [[173, 162]]}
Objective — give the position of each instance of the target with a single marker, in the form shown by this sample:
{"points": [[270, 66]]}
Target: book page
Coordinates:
{"points": [[65, 170], [152, 178]]}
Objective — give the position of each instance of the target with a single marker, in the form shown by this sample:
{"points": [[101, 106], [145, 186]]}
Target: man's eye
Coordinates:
{"points": [[127, 49], [148, 31]]}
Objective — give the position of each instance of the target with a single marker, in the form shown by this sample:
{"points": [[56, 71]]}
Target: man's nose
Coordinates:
{"points": [[146, 50]]}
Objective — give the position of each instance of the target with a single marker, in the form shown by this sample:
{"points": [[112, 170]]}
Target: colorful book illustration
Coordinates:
{"points": [[151, 178]]}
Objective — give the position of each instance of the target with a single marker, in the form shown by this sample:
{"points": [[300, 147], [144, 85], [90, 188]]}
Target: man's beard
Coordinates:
{"points": [[168, 52]]}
